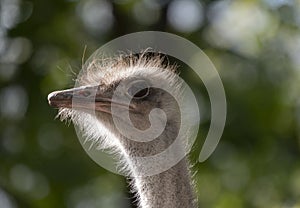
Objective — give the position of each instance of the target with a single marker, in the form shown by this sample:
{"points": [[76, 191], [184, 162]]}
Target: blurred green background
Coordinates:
{"points": [[255, 46]]}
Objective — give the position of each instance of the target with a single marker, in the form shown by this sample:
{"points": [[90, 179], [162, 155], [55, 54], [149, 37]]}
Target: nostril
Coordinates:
{"points": [[86, 93], [63, 96], [59, 96]]}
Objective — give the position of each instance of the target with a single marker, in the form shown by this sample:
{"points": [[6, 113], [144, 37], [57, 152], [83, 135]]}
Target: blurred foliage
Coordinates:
{"points": [[255, 45]]}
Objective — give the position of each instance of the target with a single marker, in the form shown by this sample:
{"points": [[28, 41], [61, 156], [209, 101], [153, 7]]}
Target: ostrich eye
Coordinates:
{"points": [[138, 89]]}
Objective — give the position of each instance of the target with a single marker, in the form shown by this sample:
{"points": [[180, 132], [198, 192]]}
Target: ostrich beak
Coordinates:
{"points": [[85, 98]]}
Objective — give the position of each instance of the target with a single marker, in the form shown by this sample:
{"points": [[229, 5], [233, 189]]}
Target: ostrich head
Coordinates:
{"points": [[109, 88]]}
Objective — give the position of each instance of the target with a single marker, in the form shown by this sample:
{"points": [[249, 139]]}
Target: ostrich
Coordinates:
{"points": [[91, 103]]}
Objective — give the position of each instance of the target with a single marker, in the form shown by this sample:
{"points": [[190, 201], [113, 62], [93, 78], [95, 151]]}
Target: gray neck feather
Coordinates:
{"points": [[169, 189]]}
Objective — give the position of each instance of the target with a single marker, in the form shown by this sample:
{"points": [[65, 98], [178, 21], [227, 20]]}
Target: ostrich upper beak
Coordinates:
{"points": [[86, 97]]}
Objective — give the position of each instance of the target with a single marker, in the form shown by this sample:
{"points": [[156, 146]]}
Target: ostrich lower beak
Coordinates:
{"points": [[85, 98]]}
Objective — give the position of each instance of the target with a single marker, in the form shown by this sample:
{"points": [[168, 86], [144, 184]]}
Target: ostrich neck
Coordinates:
{"points": [[169, 189]]}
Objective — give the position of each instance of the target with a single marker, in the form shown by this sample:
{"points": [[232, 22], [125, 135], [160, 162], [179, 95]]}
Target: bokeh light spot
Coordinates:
{"points": [[18, 51], [9, 13], [6, 201], [96, 15], [22, 178], [25, 180], [185, 16], [14, 102], [12, 139], [232, 28], [145, 14]]}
